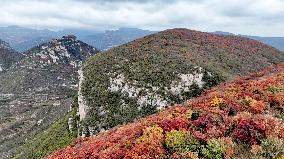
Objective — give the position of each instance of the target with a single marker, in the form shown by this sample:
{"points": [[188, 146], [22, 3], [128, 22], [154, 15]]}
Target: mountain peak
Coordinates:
{"points": [[67, 50], [69, 37]]}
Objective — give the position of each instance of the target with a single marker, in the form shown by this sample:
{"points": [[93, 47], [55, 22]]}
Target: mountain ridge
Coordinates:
{"points": [[144, 76], [22, 39]]}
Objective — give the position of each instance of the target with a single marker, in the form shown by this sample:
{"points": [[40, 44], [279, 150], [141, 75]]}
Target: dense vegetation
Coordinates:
{"points": [[36, 89], [144, 76], [46, 142], [56, 136], [239, 119]]}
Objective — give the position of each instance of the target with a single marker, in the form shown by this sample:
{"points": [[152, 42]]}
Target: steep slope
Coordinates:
{"points": [[240, 119], [8, 56], [36, 90], [146, 75], [58, 135], [53, 64]]}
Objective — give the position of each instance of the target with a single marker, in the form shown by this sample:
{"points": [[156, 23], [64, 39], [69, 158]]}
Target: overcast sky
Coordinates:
{"points": [[253, 17]]}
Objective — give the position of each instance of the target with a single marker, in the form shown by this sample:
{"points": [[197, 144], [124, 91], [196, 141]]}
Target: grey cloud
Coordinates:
{"points": [[205, 15]]}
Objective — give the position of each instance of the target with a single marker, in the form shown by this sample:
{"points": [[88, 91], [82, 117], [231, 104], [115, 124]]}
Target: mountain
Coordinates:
{"points": [[38, 89], [239, 119], [147, 75], [30, 43], [7, 56], [111, 38], [277, 42], [5, 45], [23, 39], [17, 36], [80, 33]]}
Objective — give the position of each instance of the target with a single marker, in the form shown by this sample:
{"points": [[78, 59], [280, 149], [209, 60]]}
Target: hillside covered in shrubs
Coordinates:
{"points": [[151, 73], [36, 88], [239, 119]]}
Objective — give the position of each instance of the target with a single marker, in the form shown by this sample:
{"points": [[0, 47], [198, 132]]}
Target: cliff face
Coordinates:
{"points": [[243, 118], [148, 74], [81, 102]]}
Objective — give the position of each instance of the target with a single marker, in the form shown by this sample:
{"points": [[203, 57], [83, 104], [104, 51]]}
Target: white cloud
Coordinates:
{"points": [[259, 17]]}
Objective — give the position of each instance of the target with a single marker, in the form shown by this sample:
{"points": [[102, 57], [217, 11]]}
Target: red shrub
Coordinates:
{"points": [[257, 106], [239, 115]]}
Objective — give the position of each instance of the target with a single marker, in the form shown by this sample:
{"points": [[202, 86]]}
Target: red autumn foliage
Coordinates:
{"points": [[257, 106], [230, 118]]}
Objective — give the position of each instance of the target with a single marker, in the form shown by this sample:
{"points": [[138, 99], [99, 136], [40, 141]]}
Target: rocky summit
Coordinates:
{"points": [[35, 90]]}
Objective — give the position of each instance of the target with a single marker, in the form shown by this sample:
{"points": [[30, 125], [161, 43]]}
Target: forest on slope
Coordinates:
{"points": [[146, 75], [243, 118]]}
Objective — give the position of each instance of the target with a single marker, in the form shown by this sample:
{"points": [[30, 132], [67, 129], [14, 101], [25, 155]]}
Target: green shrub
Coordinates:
{"points": [[274, 90], [218, 148], [213, 150], [271, 148], [181, 141]]}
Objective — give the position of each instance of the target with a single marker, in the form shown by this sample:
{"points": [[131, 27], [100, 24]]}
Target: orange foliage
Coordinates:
{"points": [[243, 111]]}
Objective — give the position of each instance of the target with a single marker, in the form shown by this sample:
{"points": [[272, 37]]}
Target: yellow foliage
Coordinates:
{"points": [[281, 157], [247, 101], [231, 91], [189, 114], [216, 102], [151, 133]]}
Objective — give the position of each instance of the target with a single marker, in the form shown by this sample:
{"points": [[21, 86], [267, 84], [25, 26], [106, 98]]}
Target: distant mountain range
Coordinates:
{"points": [[23, 39], [111, 38], [19, 37], [277, 42]]}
